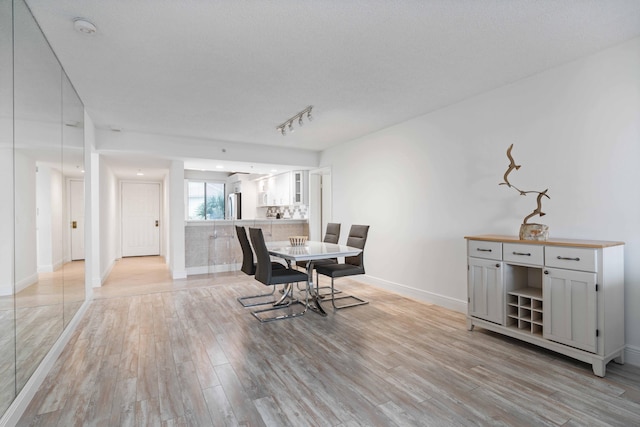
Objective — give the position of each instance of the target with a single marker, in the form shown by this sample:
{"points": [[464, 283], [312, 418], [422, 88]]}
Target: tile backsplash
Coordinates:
{"points": [[288, 212]]}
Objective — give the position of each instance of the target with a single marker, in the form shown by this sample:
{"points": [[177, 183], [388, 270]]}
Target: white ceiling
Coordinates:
{"points": [[232, 70]]}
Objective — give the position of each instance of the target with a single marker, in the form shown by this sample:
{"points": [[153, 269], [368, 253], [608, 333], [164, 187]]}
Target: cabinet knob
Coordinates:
{"points": [[497, 265], [546, 272]]}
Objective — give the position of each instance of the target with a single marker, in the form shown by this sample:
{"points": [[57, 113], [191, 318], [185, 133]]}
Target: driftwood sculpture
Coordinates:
{"points": [[527, 231]]}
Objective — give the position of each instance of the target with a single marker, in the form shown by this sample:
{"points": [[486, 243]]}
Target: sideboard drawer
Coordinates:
{"points": [[481, 249], [584, 259], [526, 254]]}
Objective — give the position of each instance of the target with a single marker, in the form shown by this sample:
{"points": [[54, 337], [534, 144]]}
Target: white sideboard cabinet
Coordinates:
{"points": [[561, 294]]}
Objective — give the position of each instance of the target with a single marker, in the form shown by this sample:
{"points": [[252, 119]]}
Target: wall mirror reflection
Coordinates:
{"points": [[48, 185], [73, 222], [7, 337]]}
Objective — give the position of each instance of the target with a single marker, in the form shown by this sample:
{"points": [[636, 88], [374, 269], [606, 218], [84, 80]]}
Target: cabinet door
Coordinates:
{"points": [[283, 189], [299, 184], [569, 301], [486, 290]]}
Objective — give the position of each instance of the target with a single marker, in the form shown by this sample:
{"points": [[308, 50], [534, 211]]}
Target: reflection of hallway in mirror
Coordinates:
{"points": [[74, 289], [7, 354], [40, 315]]}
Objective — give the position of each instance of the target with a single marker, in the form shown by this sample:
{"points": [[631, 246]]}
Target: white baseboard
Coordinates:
{"points": [[6, 289], [221, 268], [632, 355], [19, 405], [26, 282], [104, 275], [45, 268], [179, 274], [50, 268], [418, 294], [96, 282]]}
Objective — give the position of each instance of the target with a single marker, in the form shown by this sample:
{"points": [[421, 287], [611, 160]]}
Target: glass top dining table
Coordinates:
{"points": [[310, 252]]}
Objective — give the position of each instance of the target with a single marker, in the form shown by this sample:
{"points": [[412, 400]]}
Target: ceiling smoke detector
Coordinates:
{"points": [[83, 26]]}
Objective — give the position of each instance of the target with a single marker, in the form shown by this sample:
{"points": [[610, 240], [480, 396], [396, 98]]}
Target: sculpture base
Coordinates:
{"points": [[534, 232]]}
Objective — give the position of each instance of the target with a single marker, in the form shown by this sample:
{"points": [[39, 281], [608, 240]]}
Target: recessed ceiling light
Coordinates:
{"points": [[84, 26], [219, 166], [274, 170], [140, 173]]}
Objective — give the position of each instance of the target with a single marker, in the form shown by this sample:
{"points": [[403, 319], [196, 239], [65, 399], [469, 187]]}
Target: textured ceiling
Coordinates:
{"points": [[233, 70]]}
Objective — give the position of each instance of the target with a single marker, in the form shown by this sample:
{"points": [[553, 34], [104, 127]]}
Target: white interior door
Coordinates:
{"points": [[326, 200], [319, 202], [76, 212], [315, 206], [140, 219]]}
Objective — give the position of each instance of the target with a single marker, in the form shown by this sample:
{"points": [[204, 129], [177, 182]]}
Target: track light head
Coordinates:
{"points": [[282, 127]]}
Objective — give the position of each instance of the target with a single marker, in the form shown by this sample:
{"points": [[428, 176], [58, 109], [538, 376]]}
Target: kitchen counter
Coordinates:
{"points": [[212, 246], [245, 222]]}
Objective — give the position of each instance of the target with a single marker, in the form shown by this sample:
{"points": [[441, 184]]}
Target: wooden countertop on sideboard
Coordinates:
{"points": [[549, 242]]}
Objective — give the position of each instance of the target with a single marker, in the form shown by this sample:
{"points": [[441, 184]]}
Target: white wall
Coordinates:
{"points": [[109, 220], [424, 184], [91, 207], [166, 229], [176, 220], [25, 221], [197, 148], [49, 224], [44, 219]]}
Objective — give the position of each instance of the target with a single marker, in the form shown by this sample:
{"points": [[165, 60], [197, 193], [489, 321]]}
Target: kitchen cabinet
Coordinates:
{"points": [[299, 187], [570, 308], [285, 189], [282, 193], [563, 295], [486, 293]]}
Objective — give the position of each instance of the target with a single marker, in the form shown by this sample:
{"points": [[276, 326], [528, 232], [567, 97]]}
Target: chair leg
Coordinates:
{"points": [[281, 307], [245, 301], [318, 287], [359, 300]]}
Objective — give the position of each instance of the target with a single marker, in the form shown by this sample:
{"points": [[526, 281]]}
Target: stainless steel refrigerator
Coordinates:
{"points": [[234, 206]]}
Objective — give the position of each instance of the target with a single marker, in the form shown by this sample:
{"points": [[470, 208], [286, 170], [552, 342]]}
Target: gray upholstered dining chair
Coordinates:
{"points": [[352, 265], [331, 235], [249, 268], [266, 274]]}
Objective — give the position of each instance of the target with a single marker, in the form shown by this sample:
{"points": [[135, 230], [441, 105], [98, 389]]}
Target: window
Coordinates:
{"points": [[205, 200]]}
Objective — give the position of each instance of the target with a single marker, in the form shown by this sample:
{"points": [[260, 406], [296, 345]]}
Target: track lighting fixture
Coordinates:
{"points": [[282, 128]]}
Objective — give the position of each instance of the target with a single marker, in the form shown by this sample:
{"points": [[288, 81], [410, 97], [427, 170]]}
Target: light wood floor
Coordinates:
{"points": [[192, 356]]}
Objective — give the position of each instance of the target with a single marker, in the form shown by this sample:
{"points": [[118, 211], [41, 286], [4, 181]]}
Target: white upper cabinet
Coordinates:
{"points": [[285, 189]]}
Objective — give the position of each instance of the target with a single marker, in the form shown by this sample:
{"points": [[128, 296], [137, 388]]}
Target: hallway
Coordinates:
{"points": [[150, 274]]}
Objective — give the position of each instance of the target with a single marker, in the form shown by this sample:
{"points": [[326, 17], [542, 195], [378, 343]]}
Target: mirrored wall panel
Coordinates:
{"points": [[73, 224], [42, 214], [38, 185], [7, 332]]}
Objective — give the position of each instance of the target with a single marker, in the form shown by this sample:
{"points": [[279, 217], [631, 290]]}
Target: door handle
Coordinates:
{"points": [[74, 224], [157, 223]]}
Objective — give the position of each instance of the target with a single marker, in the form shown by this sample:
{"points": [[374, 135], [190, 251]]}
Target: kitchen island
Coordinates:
{"points": [[212, 246]]}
